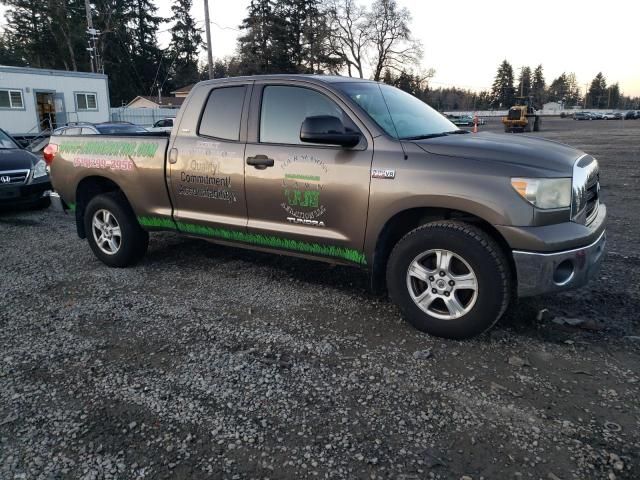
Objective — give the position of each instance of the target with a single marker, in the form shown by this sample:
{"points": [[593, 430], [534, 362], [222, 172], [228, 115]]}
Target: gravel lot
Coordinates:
{"points": [[212, 362]]}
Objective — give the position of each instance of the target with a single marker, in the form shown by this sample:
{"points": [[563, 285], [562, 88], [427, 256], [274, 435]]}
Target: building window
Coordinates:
{"points": [[86, 101], [11, 99]]}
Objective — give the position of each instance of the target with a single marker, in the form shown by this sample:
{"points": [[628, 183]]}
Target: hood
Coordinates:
{"points": [[16, 159], [556, 159]]}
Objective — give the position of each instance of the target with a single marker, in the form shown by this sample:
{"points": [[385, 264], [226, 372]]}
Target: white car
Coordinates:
{"points": [[164, 125]]}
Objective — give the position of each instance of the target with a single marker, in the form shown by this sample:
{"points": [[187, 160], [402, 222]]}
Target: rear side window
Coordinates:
{"points": [[285, 108], [222, 113]]}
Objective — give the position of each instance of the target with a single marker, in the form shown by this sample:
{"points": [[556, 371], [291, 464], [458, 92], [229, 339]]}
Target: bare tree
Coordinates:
{"points": [[394, 46], [349, 39]]}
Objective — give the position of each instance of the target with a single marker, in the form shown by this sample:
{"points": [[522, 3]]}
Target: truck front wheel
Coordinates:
{"points": [[450, 279], [113, 232]]}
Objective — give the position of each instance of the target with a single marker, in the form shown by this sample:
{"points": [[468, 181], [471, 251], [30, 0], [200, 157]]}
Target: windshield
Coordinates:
{"points": [[399, 114], [6, 141], [120, 129]]}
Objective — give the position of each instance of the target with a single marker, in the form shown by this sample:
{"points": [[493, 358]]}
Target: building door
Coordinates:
{"points": [[46, 110]]}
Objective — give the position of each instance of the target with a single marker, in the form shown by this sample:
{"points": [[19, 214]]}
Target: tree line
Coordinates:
{"points": [[564, 89], [276, 36]]}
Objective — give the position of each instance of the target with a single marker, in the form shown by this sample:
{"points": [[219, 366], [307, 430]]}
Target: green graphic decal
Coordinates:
{"points": [[309, 178], [348, 254], [157, 222], [297, 198], [110, 148], [72, 206]]}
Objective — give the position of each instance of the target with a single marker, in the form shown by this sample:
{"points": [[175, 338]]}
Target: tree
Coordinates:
{"points": [[502, 90], [538, 86], [392, 42], [524, 82], [614, 97], [186, 40], [348, 37], [598, 92], [255, 46]]}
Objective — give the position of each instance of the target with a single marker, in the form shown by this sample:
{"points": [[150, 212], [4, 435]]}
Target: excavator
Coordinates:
{"points": [[522, 117]]}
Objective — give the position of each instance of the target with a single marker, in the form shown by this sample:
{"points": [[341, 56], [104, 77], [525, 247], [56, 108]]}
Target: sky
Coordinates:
{"points": [[465, 40]]}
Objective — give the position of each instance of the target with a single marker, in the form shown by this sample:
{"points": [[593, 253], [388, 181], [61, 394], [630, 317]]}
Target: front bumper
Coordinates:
{"points": [[540, 273], [23, 194]]}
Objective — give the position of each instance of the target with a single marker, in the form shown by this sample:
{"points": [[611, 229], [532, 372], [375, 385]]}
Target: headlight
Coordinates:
{"points": [[544, 193], [40, 170]]}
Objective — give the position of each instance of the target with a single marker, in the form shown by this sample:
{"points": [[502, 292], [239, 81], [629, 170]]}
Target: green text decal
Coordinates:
{"points": [[348, 254], [110, 148]]}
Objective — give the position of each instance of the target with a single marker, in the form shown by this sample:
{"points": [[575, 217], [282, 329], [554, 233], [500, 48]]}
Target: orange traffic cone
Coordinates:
{"points": [[475, 124]]}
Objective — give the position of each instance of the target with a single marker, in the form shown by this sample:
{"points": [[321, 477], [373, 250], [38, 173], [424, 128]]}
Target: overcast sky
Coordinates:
{"points": [[465, 40]]}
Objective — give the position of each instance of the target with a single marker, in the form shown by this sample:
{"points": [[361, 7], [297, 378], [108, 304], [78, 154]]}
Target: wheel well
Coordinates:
{"points": [[403, 222], [87, 189]]}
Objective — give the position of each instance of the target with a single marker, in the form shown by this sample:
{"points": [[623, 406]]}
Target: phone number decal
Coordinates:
{"points": [[106, 163]]}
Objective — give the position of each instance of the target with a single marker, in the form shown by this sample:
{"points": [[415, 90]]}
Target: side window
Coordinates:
{"points": [[223, 113], [72, 131], [284, 109], [87, 131]]}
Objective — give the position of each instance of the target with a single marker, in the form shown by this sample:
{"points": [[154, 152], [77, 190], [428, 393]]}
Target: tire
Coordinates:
{"points": [[113, 211], [536, 124], [473, 251]]}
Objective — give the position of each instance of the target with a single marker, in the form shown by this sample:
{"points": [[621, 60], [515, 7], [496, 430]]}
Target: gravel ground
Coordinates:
{"points": [[212, 362]]}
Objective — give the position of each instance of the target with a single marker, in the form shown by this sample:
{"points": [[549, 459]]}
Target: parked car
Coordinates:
{"points": [[462, 120], [596, 116], [24, 177], [350, 172], [630, 115], [613, 116], [106, 128], [582, 116], [164, 125]]}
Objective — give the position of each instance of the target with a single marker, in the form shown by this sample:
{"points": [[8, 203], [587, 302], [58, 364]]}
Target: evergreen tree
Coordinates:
{"points": [[186, 40], [524, 82], [559, 89], [503, 91], [597, 97], [538, 86], [255, 46], [614, 97]]}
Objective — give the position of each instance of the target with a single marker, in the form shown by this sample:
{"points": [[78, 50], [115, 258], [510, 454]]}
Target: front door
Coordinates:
{"points": [[312, 199], [46, 110], [206, 163]]}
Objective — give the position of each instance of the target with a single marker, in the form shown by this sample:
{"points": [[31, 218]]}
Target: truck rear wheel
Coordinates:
{"points": [[113, 232], [450, 279]]}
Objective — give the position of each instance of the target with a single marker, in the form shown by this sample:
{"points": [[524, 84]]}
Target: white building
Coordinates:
{"points": [[31, 98], [551, 108]]}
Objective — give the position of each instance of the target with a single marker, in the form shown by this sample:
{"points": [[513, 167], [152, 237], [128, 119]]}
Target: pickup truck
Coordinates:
{"points": [[453, 225]]}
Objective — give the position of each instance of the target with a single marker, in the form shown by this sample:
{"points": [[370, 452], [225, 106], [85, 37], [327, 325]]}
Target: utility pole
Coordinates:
{"points": [[87, 7], [207, 26]]}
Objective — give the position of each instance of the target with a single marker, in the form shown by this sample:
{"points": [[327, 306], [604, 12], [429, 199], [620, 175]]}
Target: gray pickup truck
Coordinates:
{"points": [[453, 225]]}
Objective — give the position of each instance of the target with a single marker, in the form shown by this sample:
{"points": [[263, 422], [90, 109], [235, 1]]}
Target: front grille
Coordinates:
{"points": [[514, 114], [13, 177], [593, 199]]}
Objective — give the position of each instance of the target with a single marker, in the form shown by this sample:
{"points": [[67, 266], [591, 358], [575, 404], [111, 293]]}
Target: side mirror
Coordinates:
{"points": [[327, 130]]}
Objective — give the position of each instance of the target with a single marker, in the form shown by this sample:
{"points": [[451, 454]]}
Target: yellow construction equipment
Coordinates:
{"points": [[522, 117]]}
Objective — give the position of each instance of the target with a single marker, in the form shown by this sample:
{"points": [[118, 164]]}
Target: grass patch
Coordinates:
{"points": [[269, 241]]}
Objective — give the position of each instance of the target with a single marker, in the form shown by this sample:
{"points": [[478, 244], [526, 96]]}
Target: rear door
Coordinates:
{"points": [[206, 161], [313, 199]]}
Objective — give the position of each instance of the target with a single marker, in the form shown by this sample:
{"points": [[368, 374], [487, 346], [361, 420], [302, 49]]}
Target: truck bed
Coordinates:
{"points": [[135, 163]]}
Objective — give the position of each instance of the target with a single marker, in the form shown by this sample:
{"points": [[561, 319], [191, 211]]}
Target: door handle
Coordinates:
{"points": [[260, 162]]}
